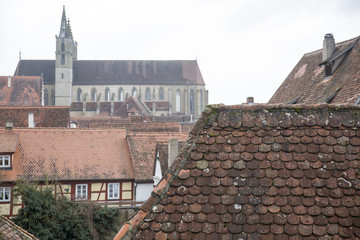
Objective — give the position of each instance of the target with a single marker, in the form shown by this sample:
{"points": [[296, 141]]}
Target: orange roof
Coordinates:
{"points": [[143, 150], [8, 142], [20, 91], [69, 154]]}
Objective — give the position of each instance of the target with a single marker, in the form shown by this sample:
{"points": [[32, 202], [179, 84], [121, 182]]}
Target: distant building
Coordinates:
{"points": [[328, 75], [165, 87]]}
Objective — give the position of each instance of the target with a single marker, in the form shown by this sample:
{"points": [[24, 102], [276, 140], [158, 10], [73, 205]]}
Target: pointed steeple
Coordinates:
{"points": [[68, 30], [63, 27]]}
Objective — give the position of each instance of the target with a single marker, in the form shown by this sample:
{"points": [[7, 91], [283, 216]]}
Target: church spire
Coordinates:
{"points": [[63, 27], [68, 30]]}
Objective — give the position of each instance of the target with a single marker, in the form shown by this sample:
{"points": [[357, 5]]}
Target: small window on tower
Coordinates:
{"points": [[62, 75], [62, 59]]}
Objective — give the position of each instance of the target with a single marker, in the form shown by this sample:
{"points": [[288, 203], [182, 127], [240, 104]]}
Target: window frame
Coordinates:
{"points": [[3, 191], [2, 161], [110, 196], [161, 94], [81, 198]]}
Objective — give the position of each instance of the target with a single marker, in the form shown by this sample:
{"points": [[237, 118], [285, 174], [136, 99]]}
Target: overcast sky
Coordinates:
{"points": [[243, 47]]}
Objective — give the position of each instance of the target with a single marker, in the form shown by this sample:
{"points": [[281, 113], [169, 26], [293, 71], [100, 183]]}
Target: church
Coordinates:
{"points": [[101, 87]]}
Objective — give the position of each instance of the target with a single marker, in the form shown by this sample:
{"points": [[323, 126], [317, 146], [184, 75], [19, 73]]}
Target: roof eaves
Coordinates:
{"points": [[176, 169]]}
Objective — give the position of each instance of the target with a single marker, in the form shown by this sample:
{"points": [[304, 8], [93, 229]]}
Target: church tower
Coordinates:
{"points": [[66, 53]]}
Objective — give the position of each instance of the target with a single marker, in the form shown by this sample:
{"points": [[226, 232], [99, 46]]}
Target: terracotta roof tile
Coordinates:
{"points": [[23, 91], [69, 154], [294, 190], [10, 230], [307, 84]]}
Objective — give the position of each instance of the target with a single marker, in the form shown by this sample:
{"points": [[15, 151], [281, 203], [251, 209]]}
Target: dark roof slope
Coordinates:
{"points": [[111, 72], [307, 84], [46, 68], [260, 172]]}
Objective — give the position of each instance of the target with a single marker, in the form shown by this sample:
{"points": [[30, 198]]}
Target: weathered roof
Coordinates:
{"points": [[69, 154], [307, 84], [260, 172], [43, 116], [8, 142], [132, 105], [143, 150], [118, 72], [23, 91], [9, 230]]}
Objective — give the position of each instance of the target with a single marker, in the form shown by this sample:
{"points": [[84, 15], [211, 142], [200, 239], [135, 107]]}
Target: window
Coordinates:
{"points": [[62, 61], [121, 94], [62, 47], [134, 92], [161, 94], [178, 99], [113, 190], [79, 95], [93, 95], [81, 192], [192, 101], [147, 94], [5, 194], [107, 94], [4, 161]]}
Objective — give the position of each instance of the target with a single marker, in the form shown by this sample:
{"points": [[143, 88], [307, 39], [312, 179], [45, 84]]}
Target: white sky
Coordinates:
{"points": [[243, 47]]}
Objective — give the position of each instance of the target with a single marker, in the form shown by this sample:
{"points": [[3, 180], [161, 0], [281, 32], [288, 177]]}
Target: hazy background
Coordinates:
{"points": [[243, 47]]}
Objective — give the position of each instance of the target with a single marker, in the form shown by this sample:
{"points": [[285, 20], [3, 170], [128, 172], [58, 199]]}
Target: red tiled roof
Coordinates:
{"points": [[43, 116], [23, 91], [260, 172], [69, 154], [143, 151], [9, 230], [110, 72], [306, 84]]}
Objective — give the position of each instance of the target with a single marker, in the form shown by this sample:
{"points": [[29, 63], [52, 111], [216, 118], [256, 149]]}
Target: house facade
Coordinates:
{"points": [[177, 86], [87, 165]]}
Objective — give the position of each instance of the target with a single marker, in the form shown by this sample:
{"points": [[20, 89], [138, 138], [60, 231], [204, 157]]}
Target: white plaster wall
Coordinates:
{"points": [[143, 191]]}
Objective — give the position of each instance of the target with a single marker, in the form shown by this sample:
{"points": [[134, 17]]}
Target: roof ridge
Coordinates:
{"points": [[336, 45]]}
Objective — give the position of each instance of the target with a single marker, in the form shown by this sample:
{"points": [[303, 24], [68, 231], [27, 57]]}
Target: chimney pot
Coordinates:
{"points": [[250, 100], [9, 126], [328, 46]]}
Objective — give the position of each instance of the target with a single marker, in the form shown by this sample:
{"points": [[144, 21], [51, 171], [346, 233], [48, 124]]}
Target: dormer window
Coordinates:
{"points": [[5, 161]]}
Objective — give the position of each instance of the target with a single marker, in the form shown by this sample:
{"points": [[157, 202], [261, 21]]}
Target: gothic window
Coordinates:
{"points": [[52, 97], [201, 100], [46, 97], [62, 47], [178, 99], [161, 94], [121, 94], [147, 94], [134, 92], [191, 101], [107, 94], [62, 59], [93, 95], [79, 95]]}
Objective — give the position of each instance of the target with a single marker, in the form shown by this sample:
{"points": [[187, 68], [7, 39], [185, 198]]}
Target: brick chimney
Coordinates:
{"points": [[328, 46]]}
